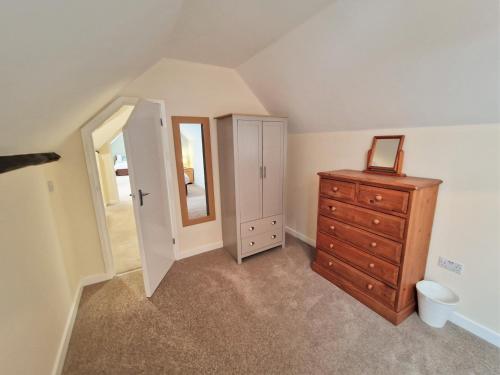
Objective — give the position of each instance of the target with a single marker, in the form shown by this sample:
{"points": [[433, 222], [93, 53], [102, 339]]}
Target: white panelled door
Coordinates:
{"points": [[249, 169], [272, 162], [145, 157]]}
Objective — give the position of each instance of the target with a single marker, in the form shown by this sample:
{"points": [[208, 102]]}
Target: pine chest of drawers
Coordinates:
{"points": [[373, 237]]}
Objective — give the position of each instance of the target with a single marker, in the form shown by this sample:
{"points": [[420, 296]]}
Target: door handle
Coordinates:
{"points": [[265, 172], [141, 196]]}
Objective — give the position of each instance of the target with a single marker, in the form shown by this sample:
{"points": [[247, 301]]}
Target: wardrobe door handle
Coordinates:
{"points": [[273, 236], [251, 229], [265, 171], [273, 222], [251, 243]]}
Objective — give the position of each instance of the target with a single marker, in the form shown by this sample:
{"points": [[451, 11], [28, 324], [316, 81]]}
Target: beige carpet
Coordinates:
{"points": [[122, 230], [270, 315]]}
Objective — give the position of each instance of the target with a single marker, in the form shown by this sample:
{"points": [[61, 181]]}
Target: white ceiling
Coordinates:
{"points": [[384, 64], [229, 32], [62, 61], [328, 64]]}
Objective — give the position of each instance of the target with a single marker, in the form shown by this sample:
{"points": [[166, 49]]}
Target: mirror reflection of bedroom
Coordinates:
{"points": [[194, 169], [116, 193]]}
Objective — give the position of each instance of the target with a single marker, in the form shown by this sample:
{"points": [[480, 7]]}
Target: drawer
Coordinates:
{"points": [[368, 263], [370, 242], [376, 221], [366, 284], [253, 243], [252, 228], [386, 199], [345, 191]]}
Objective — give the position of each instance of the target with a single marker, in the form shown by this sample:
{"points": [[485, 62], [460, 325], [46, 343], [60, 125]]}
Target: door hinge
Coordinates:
{"points": [[173, 241], [161, 121]]}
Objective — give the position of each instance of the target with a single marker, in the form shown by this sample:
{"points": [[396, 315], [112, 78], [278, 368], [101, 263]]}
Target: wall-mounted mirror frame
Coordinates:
{"points": [[397, 166], [177, 121]]}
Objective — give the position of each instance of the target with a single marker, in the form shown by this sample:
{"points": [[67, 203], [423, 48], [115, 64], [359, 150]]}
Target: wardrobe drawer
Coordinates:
{"points": [[370, 242], [251, 228], [370, 264], [345, 191], [386, 199], [254, 243], [366, 284], [376, 221]]}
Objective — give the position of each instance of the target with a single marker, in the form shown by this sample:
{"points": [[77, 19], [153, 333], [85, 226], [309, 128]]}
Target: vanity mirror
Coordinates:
{"points": [[386, 155]]}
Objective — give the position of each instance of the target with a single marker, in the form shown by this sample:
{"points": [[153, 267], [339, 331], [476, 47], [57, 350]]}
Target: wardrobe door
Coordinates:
{"points": [[249, 169], [272, 161]]}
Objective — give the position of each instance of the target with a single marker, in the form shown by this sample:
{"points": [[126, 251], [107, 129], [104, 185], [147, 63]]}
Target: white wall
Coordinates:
{"points": [[365, 64], [38, 276], [467, 220], [191, 89]]}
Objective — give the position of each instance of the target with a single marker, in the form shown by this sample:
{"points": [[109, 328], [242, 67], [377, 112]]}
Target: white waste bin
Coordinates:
{"points": [[435, 303]]}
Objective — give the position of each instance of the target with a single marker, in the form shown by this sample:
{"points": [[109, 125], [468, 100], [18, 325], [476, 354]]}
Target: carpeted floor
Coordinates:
{"points": [[122, 230], [270, 315]]}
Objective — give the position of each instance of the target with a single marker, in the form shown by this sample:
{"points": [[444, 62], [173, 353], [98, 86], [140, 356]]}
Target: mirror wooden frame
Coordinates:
{"points": [[209, 180], [397, 168]]}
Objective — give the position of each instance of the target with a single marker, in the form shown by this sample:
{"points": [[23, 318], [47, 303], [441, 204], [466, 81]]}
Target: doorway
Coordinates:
{"points": [[116, 193], [127, 156]]}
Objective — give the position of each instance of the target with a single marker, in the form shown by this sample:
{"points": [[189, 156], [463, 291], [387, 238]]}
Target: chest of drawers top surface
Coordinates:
{"points": [[407, 183], [373, 236]]}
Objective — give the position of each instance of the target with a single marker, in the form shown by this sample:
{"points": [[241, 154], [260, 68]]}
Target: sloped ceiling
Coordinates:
{"points": [[382, 64], [62, 61], [229, 32]]}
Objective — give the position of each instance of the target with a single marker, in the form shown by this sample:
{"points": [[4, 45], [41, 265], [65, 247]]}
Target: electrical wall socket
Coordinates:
{"points": [[451, 265]]}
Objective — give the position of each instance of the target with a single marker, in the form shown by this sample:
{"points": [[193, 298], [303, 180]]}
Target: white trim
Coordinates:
{"points": [[301, 236], [95, 186], [456, 318], [95, 279], [198, 250], [70, 321], [66, 336], [475, 328]]}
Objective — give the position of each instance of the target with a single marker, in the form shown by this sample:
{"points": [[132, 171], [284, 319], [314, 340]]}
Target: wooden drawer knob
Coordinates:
{"points": [[371, 265], [369, 286], [378, 197], [251, 229], [273, 222], [273, 236], [332, 227], [332, 208], [251, 243], [331, 246], [373, 244], [376, 221], [330, 264], [335, 189]]}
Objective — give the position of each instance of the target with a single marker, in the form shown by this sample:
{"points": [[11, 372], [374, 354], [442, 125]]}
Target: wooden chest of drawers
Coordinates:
{"points": [[373, 237]]}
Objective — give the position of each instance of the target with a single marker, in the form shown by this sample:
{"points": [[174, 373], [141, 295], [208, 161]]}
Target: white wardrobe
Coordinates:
{"points": [[252, 156]]}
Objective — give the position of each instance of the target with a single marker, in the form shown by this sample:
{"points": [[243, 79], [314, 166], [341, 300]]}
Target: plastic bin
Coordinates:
{"points": [[435, 303]]}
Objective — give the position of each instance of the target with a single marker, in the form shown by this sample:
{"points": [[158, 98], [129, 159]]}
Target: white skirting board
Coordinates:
{"points": [[70, 321], [473, 327], [198, 250]]}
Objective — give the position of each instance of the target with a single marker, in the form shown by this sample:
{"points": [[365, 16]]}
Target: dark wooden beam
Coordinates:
{"points": [[11, 162]]}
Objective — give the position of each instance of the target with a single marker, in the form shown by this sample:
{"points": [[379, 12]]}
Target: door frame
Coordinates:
{"points": [[95, 186]]}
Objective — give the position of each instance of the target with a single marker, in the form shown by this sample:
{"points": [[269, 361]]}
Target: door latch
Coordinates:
{"points": [[141, 196]]}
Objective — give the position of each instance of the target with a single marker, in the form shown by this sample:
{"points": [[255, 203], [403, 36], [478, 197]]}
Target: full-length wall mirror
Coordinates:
{"points": [[193, 158]]}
